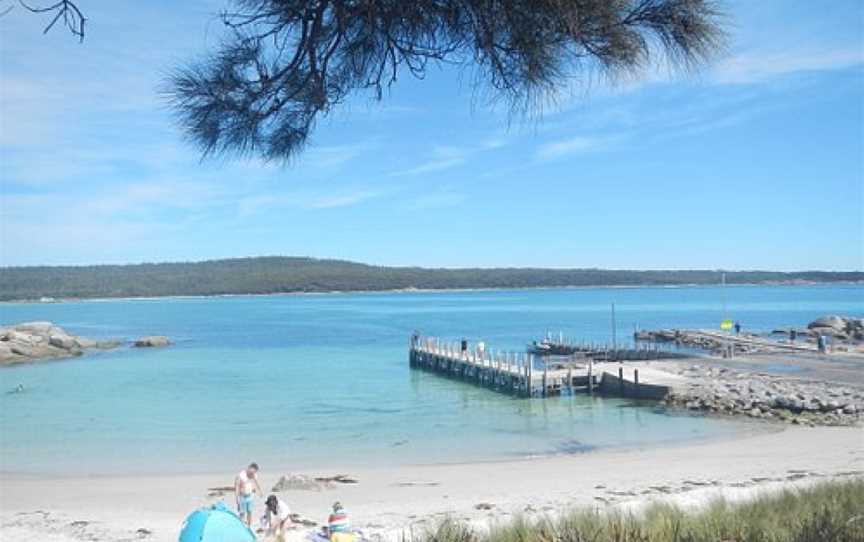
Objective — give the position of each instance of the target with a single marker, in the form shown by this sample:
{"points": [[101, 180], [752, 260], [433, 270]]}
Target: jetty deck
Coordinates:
{"points": [[529, 375]]}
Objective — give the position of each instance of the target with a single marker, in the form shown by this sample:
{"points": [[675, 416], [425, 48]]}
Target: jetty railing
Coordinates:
{"points": [[520, 373]]}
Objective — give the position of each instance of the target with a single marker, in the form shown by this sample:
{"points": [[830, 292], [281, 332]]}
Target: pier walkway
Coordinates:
{"points": [[528, 375]]}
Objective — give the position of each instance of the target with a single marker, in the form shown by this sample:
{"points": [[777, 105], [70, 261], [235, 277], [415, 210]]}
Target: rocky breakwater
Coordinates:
{"points": [[727, 392], [839, 327], [35, 341], [698, 340]]}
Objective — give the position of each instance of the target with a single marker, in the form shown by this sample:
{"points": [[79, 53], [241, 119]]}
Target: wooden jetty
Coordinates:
{"points": [[525, 374], [519, 373]]}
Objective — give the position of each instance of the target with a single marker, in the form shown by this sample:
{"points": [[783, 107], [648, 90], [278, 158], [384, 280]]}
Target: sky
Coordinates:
{"points": [[755, 162]]}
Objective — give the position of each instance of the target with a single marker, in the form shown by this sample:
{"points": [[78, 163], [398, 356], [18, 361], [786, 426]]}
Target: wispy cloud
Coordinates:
{"points": [[449, 156], [440, 199], [571, 146], [493, 143], [252, 205], [334, 156], [750, 68], [341, 200], [444, 157]]}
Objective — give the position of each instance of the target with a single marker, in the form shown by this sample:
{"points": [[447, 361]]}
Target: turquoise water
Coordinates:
{"points": [[323, 380]]}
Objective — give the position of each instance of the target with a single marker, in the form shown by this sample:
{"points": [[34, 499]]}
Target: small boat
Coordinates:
{"points": [[549, 348]]}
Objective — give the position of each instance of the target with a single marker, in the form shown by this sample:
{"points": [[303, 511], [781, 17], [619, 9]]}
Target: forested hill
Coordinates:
{"points": [[282, 275]]}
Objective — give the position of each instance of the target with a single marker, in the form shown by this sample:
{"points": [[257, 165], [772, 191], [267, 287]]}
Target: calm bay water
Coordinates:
{"points": [[323, 380]]}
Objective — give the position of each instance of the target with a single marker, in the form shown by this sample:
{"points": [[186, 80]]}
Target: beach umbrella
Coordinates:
{"points": [[215, 524]]}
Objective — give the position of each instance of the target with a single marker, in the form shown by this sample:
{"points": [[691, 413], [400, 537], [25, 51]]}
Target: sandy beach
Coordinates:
{"points": [[392, 501]]}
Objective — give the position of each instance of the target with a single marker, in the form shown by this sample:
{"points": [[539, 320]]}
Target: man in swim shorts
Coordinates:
{"points": [[245, 486]]}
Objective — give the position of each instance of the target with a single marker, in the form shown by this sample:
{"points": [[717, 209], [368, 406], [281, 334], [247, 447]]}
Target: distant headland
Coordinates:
{"points": [[277, 274]]}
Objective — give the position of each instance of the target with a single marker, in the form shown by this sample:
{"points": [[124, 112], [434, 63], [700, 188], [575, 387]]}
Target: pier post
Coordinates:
{"points": [[545, 372], [636, 377], [621, 380]]}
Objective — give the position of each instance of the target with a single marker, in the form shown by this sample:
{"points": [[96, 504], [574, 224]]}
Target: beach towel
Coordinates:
{"points": [[351, 536]]}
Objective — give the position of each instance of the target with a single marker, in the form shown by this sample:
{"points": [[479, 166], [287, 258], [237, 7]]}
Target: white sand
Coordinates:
{"points": [[388, 501]]}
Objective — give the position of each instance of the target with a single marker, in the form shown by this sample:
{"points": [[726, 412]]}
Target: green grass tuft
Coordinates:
{"points": [[827, 512]]}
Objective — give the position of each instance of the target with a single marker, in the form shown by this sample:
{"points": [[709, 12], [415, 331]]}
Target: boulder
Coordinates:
{"points": [[62, 341], [34, 341], [13, 336], [152, 341], [833, 322], [5, 352], [87, 343], [35, 328], [22, 350], [299, 482]]}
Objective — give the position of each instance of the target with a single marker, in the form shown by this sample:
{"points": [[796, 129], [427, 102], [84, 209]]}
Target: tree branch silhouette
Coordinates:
{"points": [[285, 63], [64, 10]]}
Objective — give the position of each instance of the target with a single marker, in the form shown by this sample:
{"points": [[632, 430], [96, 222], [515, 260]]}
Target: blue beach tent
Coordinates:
{"points": [[215, 524]]}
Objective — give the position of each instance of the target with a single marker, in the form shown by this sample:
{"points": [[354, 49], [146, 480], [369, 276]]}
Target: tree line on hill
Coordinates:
{"points": [[269, 275]]}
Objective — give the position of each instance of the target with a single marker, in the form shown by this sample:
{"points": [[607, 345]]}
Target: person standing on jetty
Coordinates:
{"points": [[245, 486]]}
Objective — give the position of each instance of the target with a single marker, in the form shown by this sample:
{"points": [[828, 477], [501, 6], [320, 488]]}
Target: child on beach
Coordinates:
{"points": [[339, 526], [245, 486], [278, 518]]}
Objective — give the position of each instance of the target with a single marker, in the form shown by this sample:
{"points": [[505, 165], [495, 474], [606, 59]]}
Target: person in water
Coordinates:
{"points": [[17, 389], [245, 486], [278, 518]]}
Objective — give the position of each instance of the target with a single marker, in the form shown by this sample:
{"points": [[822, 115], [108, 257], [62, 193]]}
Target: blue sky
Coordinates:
{"points": [[755, 163]]}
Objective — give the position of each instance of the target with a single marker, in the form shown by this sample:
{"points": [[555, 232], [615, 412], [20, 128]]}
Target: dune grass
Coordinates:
{"points": [[828, 512]]}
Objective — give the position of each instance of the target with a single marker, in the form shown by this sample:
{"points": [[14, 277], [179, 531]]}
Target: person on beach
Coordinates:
{"points": [[245, 486], [737, 328], [278, 518], [339, 526]]}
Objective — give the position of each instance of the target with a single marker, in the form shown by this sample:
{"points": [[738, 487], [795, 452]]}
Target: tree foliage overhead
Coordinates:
{"points": [[285, 63]]}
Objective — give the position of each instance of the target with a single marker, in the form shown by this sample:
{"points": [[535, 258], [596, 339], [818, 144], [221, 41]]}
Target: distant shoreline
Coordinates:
{"points": [[430, 291], [286, 275]]}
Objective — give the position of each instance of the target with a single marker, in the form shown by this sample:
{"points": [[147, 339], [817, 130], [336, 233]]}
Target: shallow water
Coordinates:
{"points": [[323, 380]]}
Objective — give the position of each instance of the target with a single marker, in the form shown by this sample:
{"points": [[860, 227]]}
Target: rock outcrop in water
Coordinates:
{"points": [[152, 341], [34, 341], [839, 327], [724, 391]]}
